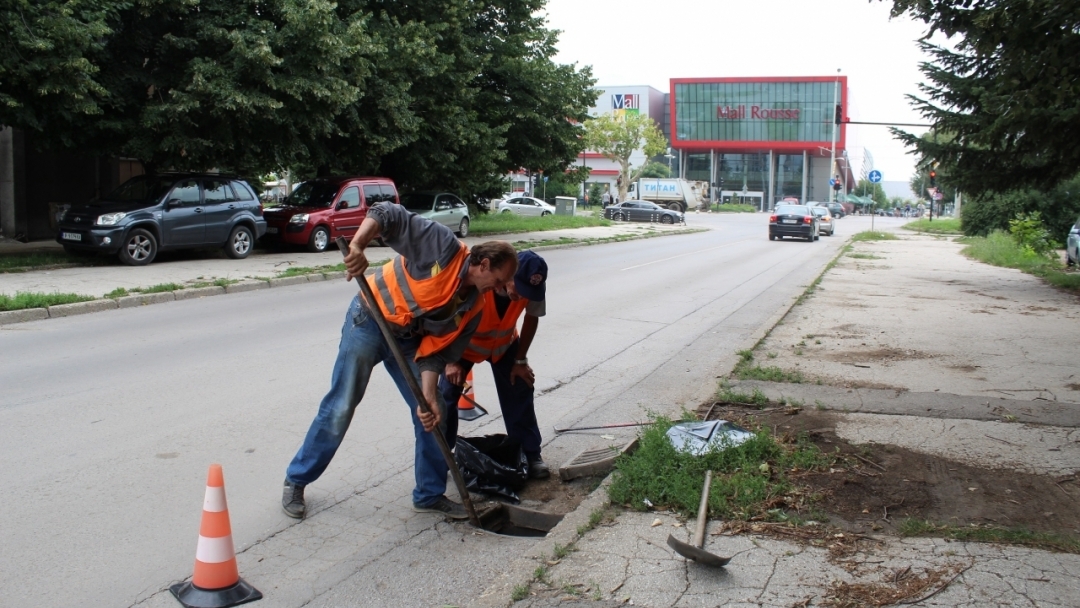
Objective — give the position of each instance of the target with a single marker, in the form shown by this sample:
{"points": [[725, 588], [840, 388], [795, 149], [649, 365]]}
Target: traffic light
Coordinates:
{"points": [[836, 185], [839, 114], [933, 178]]}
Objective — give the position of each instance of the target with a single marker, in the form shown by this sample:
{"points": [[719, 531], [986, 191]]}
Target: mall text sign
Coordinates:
{"points": [[756, 113]]}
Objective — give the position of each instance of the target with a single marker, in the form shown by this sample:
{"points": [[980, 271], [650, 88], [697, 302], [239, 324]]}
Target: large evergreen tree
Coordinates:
{"points": [[1008, 90]]}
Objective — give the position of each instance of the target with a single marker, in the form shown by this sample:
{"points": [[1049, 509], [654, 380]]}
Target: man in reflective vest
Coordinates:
{"points": [[497, 340], [432, 295]]}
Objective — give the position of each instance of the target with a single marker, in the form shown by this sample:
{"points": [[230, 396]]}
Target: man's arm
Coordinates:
{"points": [[356, 261], [528, 332]]}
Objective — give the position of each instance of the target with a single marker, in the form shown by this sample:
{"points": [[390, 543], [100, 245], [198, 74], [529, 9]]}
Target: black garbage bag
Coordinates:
{"points": [[492, 464]]}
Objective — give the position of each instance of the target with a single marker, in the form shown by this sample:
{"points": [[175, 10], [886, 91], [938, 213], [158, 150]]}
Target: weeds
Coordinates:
{"points": [[744, 371], [159, 288], [946, 225], [296, 271], [991, 534], [507, 223], [865, 256], [595, 518], [560, 551], [749, 479], [870, 235], [24, 299], [21, 262], [728, 395], [1000, 249], [520, 592], [119, 292]]}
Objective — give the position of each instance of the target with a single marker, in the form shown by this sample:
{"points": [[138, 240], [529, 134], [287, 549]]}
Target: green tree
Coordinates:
{"points": [[617, 138], [447, 93], [1006, 90], [1058, 208], [655, 169], [874, 191]]}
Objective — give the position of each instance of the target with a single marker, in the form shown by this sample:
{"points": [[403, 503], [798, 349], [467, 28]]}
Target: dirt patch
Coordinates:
{"points": [[880, 486], [1073, 386], [552, 495], [964, 368], [878, 354]]}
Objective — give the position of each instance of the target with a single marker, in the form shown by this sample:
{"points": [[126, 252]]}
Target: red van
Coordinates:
{"points": [[320, 210]]}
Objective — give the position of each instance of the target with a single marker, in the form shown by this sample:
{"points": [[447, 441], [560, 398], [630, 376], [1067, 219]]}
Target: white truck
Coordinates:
{"points": [[673, 193]]}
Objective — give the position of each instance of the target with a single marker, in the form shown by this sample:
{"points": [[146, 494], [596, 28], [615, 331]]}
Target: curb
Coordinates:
{"points": [[67, 310]]}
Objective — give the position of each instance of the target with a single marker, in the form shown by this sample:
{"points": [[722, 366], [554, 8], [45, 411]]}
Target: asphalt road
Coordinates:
{"points": [[108, 422]]}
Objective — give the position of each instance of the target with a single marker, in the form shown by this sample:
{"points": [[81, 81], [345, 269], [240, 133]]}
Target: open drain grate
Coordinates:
{"points": [[594, 461]]}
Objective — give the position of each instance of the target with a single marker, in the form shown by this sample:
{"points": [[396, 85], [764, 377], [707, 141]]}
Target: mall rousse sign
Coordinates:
{"points": [[756, 113]]}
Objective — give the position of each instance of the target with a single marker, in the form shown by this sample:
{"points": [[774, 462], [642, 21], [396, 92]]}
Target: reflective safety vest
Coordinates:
{"points": [[404, 299], [494, 335]]}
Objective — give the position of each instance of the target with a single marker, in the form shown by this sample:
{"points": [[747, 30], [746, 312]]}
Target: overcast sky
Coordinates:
{"points": [[648, 42]]}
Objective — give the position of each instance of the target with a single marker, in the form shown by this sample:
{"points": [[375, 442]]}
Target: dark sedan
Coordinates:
{"points": [[642, 211], [793, 220]]}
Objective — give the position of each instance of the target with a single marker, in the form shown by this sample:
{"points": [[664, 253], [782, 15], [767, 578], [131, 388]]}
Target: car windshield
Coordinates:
{"points": [[313, 194], [142, 189], [418, 201], [792, 210], [819, 211]]}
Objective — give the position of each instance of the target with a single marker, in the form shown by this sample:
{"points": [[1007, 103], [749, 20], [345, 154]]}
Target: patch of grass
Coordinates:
{"points": [[159, 288], [595, 518], [540, 574], [560, 551], [26, 299], [295, 271], [865, 256], [745, 370], [991, 534], [571, 590], [119, 292], [520, 592], [945, 225], [21, 262], [749, 480], [729, 395], [734, 208], [999, 249], [869, 235], [507, 223]]}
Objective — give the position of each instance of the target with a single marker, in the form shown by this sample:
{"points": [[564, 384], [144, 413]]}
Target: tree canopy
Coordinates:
{"points": [[446, 93], [1008, 91], [619, 137]]}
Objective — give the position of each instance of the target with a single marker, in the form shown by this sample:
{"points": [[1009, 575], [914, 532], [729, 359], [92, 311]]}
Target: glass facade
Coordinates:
{"points": [[789, 176], [754, 111], [743, 172]]}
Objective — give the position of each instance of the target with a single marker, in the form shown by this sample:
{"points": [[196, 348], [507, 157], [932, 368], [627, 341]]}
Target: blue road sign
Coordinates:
{"points": [[875, 176], [832, 182]]}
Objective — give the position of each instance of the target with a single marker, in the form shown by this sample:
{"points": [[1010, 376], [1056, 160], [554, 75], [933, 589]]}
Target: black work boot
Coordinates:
{"points": [[292, 500], [538, 470]]}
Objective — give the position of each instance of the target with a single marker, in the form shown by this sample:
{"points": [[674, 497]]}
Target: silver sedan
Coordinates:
{"points": [[526, 205]]}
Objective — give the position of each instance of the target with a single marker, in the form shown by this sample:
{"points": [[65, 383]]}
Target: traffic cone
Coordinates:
{"points": [[467, 407], [216, 582]]}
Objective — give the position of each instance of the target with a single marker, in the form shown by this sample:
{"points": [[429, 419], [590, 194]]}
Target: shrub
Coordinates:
{"points": [[1030, 234]]}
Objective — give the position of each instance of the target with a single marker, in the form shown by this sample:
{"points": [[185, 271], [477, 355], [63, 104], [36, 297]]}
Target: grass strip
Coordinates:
{"points": [[945, 225], [21, 262], [991, 534], [296, 271], [23, 300], [749, 480], [734, 208], [508, 223], [746, 370], [873, 235], [999, 249]]}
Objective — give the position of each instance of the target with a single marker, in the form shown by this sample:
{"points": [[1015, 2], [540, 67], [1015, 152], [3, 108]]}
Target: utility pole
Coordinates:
{"points": [[832, 152]]}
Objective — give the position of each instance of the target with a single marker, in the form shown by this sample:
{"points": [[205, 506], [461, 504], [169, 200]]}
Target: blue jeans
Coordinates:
{"points": [[362, 348], [515, 401]]}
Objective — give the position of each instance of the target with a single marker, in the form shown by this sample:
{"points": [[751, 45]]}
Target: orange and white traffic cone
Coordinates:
{"points": [[216, 582], [467, 407]]}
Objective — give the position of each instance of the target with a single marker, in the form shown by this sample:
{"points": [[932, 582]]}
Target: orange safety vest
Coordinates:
{"points": [[403, 298], [494, 336]]}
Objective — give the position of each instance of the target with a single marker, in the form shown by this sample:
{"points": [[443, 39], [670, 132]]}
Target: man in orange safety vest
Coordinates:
{"points": [[497, 340]]}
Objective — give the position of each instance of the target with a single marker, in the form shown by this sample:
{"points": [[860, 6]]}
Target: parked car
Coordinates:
{"points": [[837, 210], [826, 225], [442, 207], [1072, 245], [526, 205], [642, 211], [320, 210], [793, 220], [152, 213]]}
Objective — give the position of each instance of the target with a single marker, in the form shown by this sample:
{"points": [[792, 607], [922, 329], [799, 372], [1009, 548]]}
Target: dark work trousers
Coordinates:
{"points": [[515, 400]]}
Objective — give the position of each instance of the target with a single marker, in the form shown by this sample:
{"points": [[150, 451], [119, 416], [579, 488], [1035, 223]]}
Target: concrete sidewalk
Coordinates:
{"points": [[203, 268], [984, 374]]}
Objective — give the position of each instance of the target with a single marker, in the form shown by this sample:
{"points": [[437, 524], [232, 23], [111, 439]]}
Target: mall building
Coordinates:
{"points": [[756, 140]]}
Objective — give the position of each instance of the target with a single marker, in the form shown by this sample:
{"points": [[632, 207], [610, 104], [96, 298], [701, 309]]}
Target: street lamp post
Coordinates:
{"points": [[832, 152]]}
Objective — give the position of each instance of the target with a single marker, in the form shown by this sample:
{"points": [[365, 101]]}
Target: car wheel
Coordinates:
{"points": [[618, 217], [505, 211], [675, 207], [139, 248], [772, 237], [463, 228], [319, 240], [667, 219], [239, 244], [543, 213]]}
